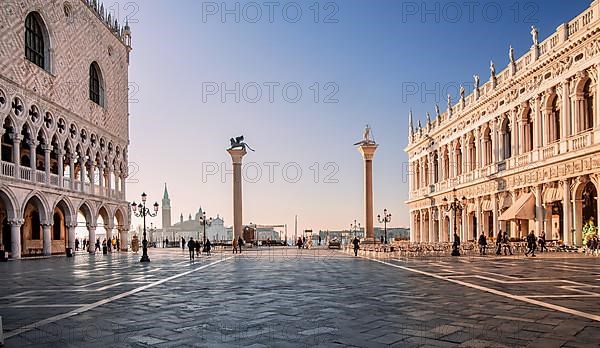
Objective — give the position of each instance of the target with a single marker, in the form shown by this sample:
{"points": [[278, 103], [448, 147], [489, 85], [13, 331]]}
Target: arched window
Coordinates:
{"points": [[458, 159], [96, 84], [446, 162], [554, 121], [36, 41], [487, 143], [588, 97], [472, 154], [528, 141], [417, 174], [506, 138]]}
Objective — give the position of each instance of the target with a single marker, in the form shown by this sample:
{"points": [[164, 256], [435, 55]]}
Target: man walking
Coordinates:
{"points": [[240, 243], [356, 243], [531, 242], [506, 243], [183, 243], [191, 245], [499, 243], [482, 244], [542, 242]]}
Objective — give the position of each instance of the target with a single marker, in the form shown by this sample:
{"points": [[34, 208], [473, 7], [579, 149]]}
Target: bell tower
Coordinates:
{"points": [[166, 209]]}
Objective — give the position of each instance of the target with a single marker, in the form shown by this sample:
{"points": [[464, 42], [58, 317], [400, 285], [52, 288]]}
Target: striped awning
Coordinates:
{"points": [[553, 194], [486, 205], [522, 209]]}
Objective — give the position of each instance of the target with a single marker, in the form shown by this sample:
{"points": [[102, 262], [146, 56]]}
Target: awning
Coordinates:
{"points": [[553, 194], [523, 209], [486, 205]]}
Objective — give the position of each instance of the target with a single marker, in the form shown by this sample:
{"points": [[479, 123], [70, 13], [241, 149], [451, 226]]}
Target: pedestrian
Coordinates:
{"points": [[542, 242], [506, 243], [163, 243], [499, 238], [531, 243], [118, 244], [97, 245], [482, 244], [595, 245], [167, 242], [191, 245], [84, 245], [208, 246], [299, 243], [76, 244], [304, 241], [197, 245], [240, 243], [235, 245], [183, 243], [356, 243], [319, 240]]}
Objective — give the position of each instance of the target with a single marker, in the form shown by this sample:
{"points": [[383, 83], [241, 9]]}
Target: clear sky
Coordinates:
{"points": [[363, 58]]}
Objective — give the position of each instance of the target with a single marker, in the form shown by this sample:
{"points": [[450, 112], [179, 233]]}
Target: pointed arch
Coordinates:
{"points": [[39, 201], [10, 203], [85, 208]]}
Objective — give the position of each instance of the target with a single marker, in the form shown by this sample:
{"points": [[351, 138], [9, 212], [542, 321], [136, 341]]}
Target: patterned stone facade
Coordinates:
{"points": [[63, 153], [530, 136]]}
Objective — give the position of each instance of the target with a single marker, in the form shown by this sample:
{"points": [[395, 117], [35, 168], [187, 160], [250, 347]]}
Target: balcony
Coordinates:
{"points": [[550, 151], [580, 141], [26, 174]]}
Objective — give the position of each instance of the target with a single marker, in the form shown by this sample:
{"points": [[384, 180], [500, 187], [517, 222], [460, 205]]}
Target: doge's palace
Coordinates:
{"points": [[64, 111], [522, 152]]}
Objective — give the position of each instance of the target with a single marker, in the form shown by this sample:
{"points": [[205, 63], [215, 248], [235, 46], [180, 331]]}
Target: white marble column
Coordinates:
{"points": [[539, 210], [82, 172], [123, 238], [72, 160], [109, 181], [565, 113], [15, 236], [16, 138], [92, 238], [92, 176], [577, 220], [47, 238], [431, 227], [567, 210], [495, 212], [412, 227], [47, 165], [71, 236], [32, 159], [61, 166]]}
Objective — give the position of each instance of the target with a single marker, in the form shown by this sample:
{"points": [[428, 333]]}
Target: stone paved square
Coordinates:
{"points": [[282, 297]]}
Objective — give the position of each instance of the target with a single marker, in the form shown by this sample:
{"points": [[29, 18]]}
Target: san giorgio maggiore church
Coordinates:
{"points": [[522, 152], [192, 227], [65, 125]]}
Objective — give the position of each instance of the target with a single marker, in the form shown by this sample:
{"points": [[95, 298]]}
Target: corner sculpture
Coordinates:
{"points": [[238, 142]]}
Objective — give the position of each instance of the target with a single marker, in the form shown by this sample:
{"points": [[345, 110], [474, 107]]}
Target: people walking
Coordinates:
{"points": [[356, 243], [118, 244], [499, 239], [76, 244], [240, 243], [299, 243], [208, 246], [531, 243], [482, 244], [97, 246], [191, 245], [542, 242], [167, 242], [183, 243], [506, 243], [197, 246], [234, 244]]}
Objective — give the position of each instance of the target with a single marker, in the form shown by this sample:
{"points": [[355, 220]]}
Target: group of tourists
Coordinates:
{"points": [[194, 247], [504, 244], [302, 243], [592, 246], [110, 245]]}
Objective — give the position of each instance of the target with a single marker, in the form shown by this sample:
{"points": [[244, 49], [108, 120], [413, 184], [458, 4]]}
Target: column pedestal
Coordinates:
{"points": [[367, 151], [236, 158]]}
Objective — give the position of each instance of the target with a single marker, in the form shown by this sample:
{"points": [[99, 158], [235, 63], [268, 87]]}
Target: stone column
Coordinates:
{"points": [[16, 137], [71, 236], [567, 218], [565, 114], [367, 151], [47, 238], [478, 225], [237, 155], [548, 221], [495, 212], [578, 220], [72, 171], [82, 172], [464, 233], [412, 227], [101, 179], [539, 211], [431, 226], [109, 228], [15, 236], [122, 182], [61, 166], [92, 238], [123, 238], [109, 180], [494, 139], [92, 176], [32, 159], [47, 150]]}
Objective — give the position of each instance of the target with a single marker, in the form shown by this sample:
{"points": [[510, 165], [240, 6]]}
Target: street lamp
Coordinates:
{"points": [[455, 205], [387, 218], [204, 222], [140, 210]]}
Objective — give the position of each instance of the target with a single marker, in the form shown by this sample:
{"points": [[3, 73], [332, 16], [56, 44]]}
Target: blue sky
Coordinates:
{"points": [[363, 54]]}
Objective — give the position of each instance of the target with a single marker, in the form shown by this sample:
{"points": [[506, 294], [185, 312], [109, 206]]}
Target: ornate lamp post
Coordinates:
{"points": [[455, 205], [204, 223], [386, 218], [140, 210]]}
